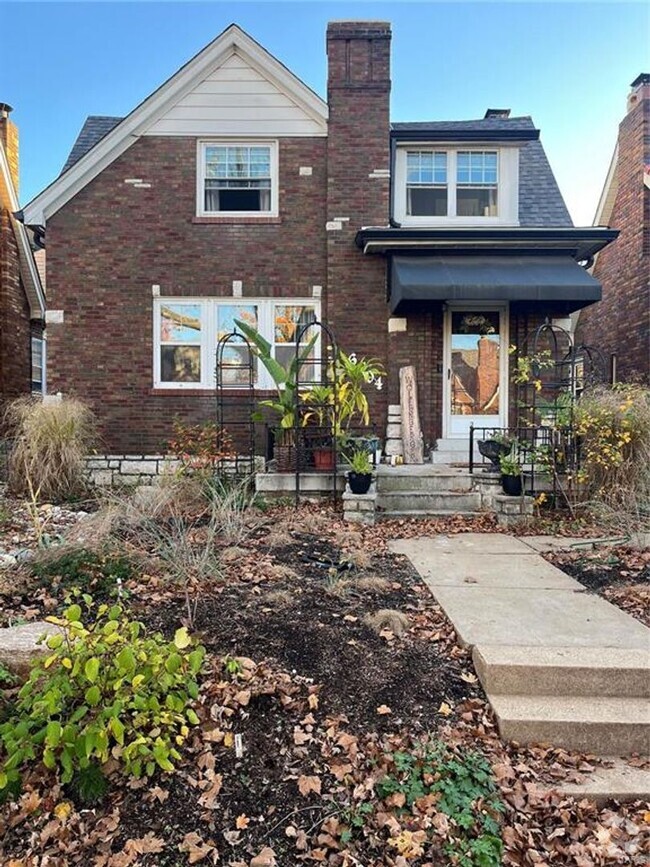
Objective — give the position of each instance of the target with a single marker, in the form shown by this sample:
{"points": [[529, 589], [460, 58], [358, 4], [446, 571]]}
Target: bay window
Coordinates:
{"points": [[187, 333]]}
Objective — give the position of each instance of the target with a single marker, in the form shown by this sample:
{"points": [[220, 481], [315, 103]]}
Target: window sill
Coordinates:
{"points": [[232, 220], [206, 392]]}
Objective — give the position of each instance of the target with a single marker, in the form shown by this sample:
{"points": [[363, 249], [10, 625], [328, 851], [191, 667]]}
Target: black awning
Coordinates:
{"points": [[549, 279]]}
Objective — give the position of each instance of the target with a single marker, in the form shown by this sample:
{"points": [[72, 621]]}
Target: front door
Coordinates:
{"points": [[476, 362]]}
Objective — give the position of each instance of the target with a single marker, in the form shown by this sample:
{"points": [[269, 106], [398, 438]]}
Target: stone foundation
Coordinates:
{"points": [[110, 470], [512, 510]]}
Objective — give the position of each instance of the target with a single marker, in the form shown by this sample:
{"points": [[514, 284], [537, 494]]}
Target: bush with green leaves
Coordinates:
{"points": [[467, 794], [107, 689], [99, 572]]}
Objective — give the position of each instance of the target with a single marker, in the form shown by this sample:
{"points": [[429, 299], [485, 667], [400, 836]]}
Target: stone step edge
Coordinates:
{"points": [[626, 674]]}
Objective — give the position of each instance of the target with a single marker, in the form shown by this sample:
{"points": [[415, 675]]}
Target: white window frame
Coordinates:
{"points": [[507, 187], [209, 306], [43, 343], [202, 144]]}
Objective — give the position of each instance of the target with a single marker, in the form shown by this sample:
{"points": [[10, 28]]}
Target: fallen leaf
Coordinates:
{"points": [[242, 822], [63, 810], [383, 709], [445, 709], [469, 678], [196, 847], [266, 858], [309, 784]]}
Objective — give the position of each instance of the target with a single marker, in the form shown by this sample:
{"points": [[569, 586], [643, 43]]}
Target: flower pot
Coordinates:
{"points": [[323, 459], [289, 458], [493, 451], [359, 482], [512, 485]]}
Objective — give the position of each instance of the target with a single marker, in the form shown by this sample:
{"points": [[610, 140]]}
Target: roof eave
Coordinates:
{"points": [[581, 244]]}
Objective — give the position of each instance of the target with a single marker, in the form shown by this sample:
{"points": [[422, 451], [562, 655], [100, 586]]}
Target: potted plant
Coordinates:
{"points": [[321, 424], [360, 474], [494, 448], [511, 479], [287, 450]]}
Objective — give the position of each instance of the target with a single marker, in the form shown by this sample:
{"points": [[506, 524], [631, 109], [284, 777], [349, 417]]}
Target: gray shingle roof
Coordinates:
{"points": [[540, 200], [95, 128]]}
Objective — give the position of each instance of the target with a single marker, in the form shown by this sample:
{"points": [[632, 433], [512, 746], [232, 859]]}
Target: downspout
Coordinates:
{"points": [[391, 218]]}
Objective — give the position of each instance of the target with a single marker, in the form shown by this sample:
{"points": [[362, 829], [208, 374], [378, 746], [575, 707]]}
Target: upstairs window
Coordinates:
{"points": [[477, 183], [456, 186], [38, 365], [426, 183], [237, 179]]}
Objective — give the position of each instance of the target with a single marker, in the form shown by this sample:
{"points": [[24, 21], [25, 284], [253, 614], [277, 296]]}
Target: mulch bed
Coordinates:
{"points": [[325, 689], [620, 575]]}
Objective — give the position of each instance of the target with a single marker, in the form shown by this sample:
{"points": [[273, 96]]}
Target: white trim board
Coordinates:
{"points": [[232, 41]]}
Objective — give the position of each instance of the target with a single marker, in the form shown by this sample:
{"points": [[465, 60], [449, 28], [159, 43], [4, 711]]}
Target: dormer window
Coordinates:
{"points": [[454, 185], [237, 179]]}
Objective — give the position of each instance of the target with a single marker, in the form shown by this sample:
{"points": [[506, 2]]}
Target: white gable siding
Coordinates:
{"points": [[236, 99]]}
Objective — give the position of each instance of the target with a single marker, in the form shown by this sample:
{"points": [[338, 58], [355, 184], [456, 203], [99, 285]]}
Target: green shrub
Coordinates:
{"points": [[107, 689]]}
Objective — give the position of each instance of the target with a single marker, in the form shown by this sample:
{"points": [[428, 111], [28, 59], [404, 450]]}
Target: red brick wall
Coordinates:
{"points": [[620, 323], [358, 93], [111, 242]]}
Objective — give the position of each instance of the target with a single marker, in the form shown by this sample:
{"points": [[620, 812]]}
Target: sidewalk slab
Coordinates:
{"points": [[484, 570], [539, 618], [470, 543]]}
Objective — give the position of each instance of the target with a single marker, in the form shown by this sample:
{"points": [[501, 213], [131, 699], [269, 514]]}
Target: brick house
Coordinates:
{"points": [[620, 323], [22, 299], [235, 191]]}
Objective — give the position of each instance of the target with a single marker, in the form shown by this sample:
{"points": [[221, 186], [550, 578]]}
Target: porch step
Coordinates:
{"points": [[425, 513], [555, 671], [429, 502], [605, 726], [424, 477]]}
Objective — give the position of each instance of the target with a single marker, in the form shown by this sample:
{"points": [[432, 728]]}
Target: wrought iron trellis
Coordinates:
{"points": [[235, 378], [543, 427], [316, 413]]}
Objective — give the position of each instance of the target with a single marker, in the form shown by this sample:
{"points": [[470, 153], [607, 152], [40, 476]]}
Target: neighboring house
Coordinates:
{"points": [[619, 325], [22, 299], [235, 191]]}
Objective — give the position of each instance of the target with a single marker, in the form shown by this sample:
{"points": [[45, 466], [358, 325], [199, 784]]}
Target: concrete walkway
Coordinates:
{"points": [[559, 665]]}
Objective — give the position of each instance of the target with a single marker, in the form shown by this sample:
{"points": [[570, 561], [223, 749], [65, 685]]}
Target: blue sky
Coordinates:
{"points": [[569, 65]]}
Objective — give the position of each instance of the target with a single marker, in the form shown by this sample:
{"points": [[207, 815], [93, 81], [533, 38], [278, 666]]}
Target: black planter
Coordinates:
{"points": [[493, 451], [359, 482], [512, 485]]}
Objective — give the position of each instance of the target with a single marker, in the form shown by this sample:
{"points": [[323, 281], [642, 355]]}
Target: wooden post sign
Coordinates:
{"points": [[411, 430]]}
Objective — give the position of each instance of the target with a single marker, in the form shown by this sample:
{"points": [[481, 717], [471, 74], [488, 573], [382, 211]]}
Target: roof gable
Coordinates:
{"points": [[233, 41]]}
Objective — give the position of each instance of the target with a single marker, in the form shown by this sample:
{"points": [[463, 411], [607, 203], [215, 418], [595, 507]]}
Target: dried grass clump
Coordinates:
{"points": [[388, 618], [278, 538], [613, 425], [50, 441], [372, 584], [358, 558]]}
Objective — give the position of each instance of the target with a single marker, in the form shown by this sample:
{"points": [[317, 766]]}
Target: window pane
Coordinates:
{"points": [[227, 313], [472, 202], [425, 167], [235, 365], [180, 363], [476, 167], [180, 323], [426, 201], [290, 319], [286, 354]]}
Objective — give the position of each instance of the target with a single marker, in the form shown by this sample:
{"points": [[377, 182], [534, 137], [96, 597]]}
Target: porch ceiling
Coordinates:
{"points": [[558, 280]]}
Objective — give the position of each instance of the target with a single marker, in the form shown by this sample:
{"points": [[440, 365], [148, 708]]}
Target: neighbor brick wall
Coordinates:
{"points": [[620, 323], [112, 241], [358, 93]]}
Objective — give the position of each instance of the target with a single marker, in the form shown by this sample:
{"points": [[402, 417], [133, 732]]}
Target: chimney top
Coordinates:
{"points": [[5, 109], [640, 90], [640, 80], [497, 112]]}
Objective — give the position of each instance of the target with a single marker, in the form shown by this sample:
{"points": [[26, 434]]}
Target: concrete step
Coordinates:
{"points": [[420, 513], [603, 726], [616, 780], [429, 501], [577, 671], [430, 479]]}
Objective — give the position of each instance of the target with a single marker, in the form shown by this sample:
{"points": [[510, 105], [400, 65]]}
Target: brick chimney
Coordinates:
{"points": [[9, 139], [640, 91], [358, 165]]}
